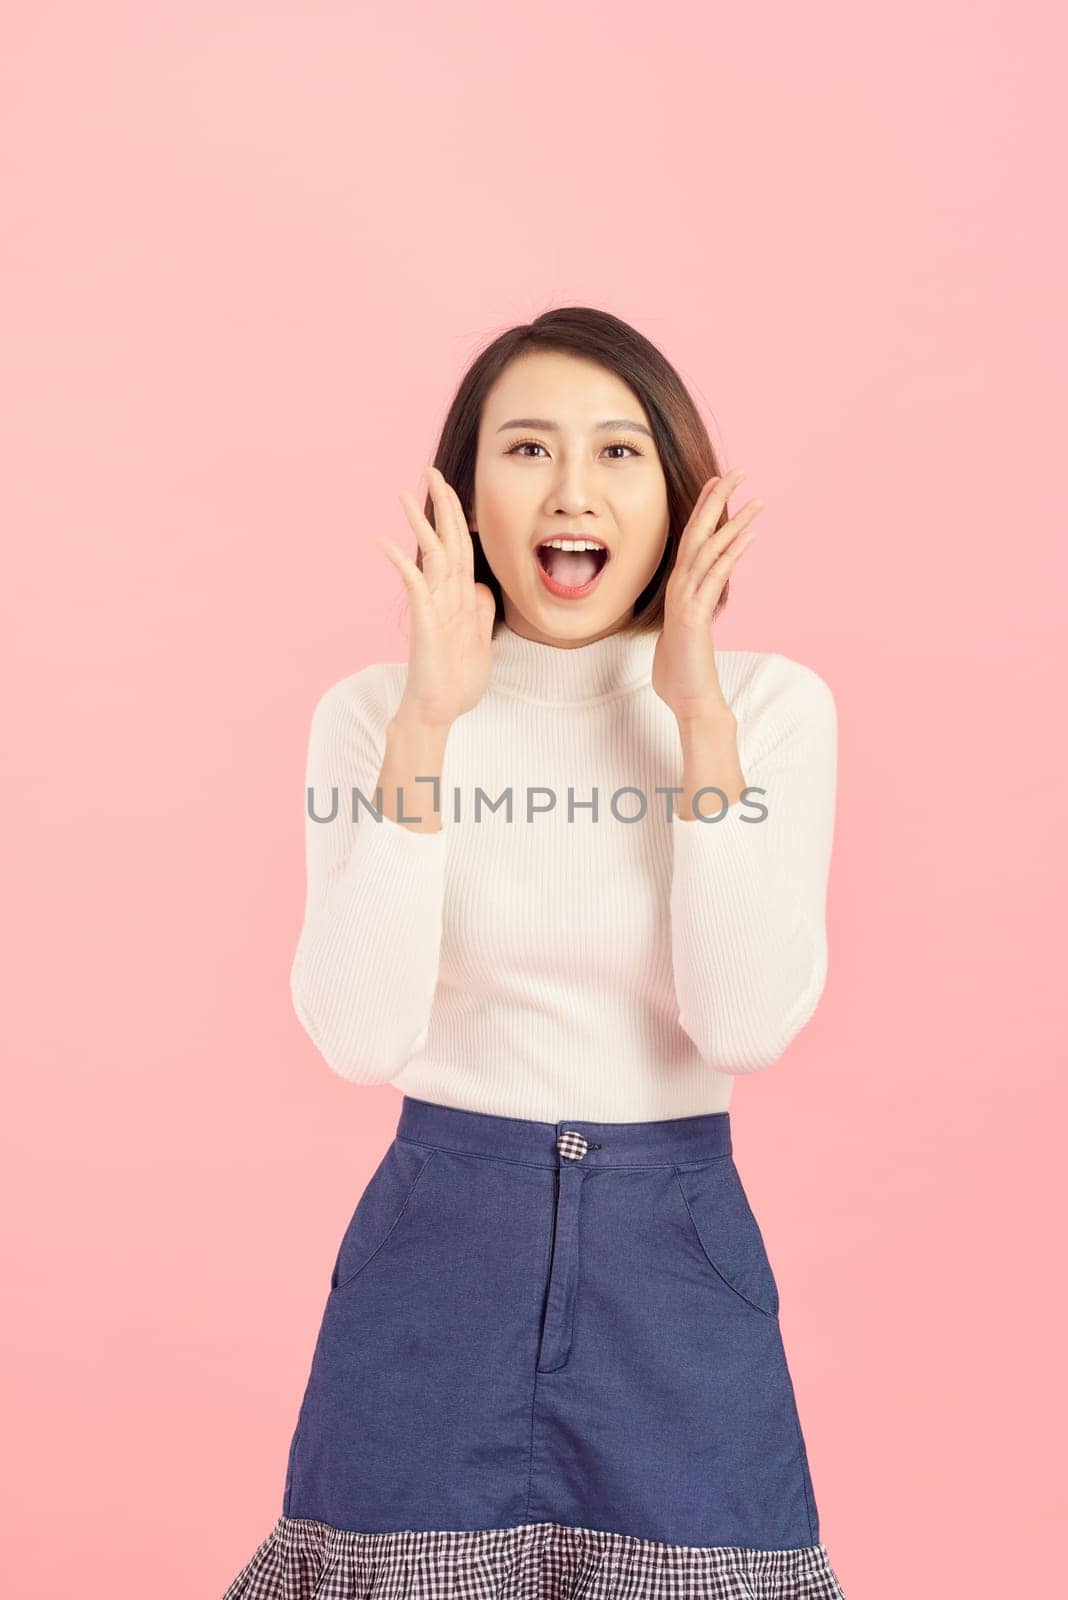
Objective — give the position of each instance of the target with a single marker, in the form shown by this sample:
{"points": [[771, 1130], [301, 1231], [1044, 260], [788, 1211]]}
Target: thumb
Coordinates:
{"points": [[487, 611]]}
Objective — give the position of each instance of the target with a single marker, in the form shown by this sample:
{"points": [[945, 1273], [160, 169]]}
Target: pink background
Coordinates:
{"points": [[248, 252]]}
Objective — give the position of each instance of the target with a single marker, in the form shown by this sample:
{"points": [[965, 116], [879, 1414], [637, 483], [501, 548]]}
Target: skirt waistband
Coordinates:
{"points": [[551, 1144]]}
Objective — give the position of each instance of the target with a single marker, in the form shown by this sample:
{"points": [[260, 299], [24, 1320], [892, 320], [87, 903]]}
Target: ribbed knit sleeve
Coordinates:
{"points": [[748, 898], [366, 965]]}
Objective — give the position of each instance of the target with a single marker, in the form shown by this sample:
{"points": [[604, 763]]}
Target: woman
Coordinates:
{"points": [[550, 1361]]}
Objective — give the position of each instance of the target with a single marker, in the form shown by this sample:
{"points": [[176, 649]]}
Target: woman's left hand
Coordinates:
{"points": [[684, 663]]}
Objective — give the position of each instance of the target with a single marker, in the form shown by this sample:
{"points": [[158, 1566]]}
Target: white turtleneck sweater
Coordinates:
{"points": [[559, 961]]}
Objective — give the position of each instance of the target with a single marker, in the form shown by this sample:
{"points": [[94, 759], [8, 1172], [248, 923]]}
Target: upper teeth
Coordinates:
{"points": [[571, 544]]}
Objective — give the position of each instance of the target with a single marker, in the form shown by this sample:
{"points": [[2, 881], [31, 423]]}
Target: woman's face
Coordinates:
{"points": [[548, 468]]}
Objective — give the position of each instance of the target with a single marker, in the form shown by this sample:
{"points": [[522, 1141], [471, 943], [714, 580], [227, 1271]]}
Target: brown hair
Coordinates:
{"points": [[686, 452]]}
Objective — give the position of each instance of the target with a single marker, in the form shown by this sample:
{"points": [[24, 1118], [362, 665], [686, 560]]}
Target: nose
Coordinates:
{"points": [[571, 494]]}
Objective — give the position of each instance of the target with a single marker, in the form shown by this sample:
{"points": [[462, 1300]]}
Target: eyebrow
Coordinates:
{"points": [[554, 427]]}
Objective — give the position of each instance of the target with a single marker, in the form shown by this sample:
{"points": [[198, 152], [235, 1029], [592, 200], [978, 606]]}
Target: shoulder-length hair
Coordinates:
{"points": [[686, 453]]}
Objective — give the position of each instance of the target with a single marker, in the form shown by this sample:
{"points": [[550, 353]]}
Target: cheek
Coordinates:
{"points": [[645, 522], [643, 502], [501, 501], [504, 520]]}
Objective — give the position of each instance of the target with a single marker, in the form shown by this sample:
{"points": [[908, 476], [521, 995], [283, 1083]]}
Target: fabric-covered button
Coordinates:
{"points": [[572, 1146]]}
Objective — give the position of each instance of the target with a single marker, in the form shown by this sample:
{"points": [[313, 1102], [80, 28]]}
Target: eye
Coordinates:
{"points": [[535, 444]]}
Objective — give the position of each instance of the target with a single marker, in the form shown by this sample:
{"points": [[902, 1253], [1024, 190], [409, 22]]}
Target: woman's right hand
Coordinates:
{"points": [[450, 650]]}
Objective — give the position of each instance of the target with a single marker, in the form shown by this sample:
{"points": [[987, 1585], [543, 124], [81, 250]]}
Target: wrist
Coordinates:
{"points": [[715, 718], [411, 724]]}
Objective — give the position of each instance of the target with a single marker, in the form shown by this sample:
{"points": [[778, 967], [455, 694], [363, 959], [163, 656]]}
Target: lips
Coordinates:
{"points": [[570, 574]]}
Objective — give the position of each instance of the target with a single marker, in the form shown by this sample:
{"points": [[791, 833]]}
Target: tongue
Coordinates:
{"points": [[572, 568]]}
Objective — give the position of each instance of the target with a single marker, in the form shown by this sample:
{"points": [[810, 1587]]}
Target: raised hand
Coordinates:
{"points": [[450, 649], [684, 663]]}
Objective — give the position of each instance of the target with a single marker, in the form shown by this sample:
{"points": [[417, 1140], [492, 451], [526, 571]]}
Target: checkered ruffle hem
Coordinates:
{"points": [[305, 1560]]}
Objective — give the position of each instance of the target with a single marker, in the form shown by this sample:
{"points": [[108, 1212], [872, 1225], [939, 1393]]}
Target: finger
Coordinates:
{"points": [[443, 515], [706, 490], [706, 513], [711, 503], [723, 539], [711, 587], [426, 536], [463, 532], [458, 539], [698, 507], [413, 579]]}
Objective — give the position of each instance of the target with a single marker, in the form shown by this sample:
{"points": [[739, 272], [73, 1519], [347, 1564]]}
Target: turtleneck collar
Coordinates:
{"points": [[567, 673]]}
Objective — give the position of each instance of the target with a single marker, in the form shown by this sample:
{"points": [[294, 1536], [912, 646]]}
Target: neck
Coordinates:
{"points": [[614, 664]]}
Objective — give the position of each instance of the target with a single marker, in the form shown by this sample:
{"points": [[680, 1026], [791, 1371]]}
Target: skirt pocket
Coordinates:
{"points": [[381, 1210], [723, 1224]]}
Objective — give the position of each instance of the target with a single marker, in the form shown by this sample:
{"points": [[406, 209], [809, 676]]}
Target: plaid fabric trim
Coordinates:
{"points": [[301, 1559], [572, 1146]]}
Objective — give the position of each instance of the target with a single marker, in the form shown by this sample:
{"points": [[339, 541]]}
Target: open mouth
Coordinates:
{"points": [[571, 567]]}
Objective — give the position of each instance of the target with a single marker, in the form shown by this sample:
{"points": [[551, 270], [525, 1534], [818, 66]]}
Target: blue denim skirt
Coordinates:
{"points": [[549, 1364]]}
